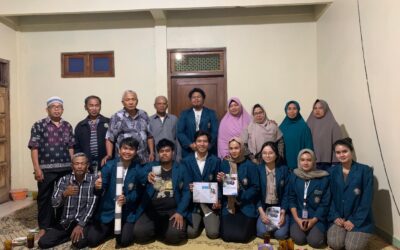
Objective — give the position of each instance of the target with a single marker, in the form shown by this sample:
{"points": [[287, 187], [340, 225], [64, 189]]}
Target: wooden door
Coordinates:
{"points": [[197, 68], [5, 170], [212, 86]]}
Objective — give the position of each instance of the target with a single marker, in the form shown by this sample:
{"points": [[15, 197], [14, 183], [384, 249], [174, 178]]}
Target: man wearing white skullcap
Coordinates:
{"points": [[51, 146]]}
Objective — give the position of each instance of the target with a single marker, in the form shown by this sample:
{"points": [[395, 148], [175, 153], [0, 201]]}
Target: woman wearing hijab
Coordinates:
{"points": [[232, 125], [274, 186], [351, 221], [309, 198], [296, 133], [239, 215], [325, 131], [259, 131]]}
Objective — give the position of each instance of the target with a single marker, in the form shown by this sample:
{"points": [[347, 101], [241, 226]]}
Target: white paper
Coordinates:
{"points": [[274, 216], [230, 185], [205, 192]]}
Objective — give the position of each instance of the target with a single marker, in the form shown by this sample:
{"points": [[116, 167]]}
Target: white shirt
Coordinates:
{"points": [[197, 117], [201, 162]]}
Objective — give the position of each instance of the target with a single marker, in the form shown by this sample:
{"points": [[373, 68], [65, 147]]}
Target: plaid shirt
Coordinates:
{"points": [[52, 143], [79, 207], [123, 125]]}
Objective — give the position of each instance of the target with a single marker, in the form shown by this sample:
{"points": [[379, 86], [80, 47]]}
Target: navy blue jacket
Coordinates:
{"points": [[82, 138], [186, 128], [210, 171], [249, 188], [318, 199], [352, 200], [180, 184], [282, 175], [131, 190]]}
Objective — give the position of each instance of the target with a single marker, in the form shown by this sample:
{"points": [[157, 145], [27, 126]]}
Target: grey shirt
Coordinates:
{"points": [[165, 130]]}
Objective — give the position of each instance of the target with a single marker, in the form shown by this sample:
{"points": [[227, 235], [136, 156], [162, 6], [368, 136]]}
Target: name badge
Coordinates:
{"points": [[304, 214]]}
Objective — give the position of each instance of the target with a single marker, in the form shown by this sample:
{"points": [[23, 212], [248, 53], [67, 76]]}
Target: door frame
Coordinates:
{"points": [[204, 74], [6, 84]]}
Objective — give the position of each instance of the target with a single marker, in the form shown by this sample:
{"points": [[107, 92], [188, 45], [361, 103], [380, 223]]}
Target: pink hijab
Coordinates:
{"points": [[231, 126]]}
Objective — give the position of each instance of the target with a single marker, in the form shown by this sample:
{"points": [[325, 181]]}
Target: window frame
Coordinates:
{"points": [[88, 67]]}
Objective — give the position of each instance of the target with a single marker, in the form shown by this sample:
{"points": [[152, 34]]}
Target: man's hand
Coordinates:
{"points": [[191, 187], [71, 190], [348, 225], [220, 176], [121, 200], [99, 182], [216, 205], [282, 220], [105, 159], [77, 233], [302, 223], [151, 178], [339, 222], [39, 175], [193, 146], [151, 157], [264, 217], [178, 221], [310, 223]]}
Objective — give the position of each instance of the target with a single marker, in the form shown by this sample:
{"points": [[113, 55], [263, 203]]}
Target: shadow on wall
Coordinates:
{"points": [[382, 210]]}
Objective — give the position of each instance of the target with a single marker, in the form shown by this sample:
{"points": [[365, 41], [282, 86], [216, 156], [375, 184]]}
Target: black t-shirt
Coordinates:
{"points": [[163, 199]]}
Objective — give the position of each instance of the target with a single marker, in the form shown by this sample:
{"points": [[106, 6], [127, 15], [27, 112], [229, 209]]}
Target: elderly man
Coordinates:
{"points": [[130, 122], [194, 119], [51, 146], [90, 133], [75, 193], [163, 125]]}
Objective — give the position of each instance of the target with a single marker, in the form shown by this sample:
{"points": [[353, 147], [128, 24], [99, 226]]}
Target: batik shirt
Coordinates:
{"points": [[123, 125], [53, 144]]}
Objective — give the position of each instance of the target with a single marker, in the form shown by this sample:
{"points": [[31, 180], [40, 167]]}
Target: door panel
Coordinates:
{"points": [[212, 86], [5, 175]]}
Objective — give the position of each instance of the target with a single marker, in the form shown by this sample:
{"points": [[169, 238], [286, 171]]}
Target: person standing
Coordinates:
{"points": [[130, 122], [325, 131], [163, 125], [90, 133], [51, 144], [194, 119]]}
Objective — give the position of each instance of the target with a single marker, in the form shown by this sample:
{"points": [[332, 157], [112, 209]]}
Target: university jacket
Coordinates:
{"points": [[352, 200], [180, 184], [131, 190], [282, 175], [249, 188], [82, 138], [318, 199], [186, 129], [210, 172]]}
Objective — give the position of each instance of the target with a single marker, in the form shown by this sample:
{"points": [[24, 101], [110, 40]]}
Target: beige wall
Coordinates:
{"points": [[40, 73], [263, 63], [342, 83]]}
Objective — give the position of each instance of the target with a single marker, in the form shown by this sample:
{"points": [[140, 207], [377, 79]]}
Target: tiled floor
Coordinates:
{"points": [[12, 206]]}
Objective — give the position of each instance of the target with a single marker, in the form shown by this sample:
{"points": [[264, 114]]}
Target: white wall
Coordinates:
{"points": [[40, 75], [342, 83], [266, 63]]}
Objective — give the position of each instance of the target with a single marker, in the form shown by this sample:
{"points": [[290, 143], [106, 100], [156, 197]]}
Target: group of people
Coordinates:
{"points": [[304, 168]]}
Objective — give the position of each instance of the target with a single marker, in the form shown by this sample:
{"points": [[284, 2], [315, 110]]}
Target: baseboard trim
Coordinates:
{"points": [[387, 237]]}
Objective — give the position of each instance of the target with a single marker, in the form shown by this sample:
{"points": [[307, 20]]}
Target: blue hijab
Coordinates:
{"points": [[296, 135]]}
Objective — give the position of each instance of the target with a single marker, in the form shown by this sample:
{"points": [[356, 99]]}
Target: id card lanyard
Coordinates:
{"points": [[304, 213]]}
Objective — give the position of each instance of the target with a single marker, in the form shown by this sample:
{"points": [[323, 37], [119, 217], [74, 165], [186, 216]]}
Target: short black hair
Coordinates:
{"points": [[87, 99], [347, 142], [202, 133], [129, 141], [198, 90], [274, 147], [165, 143]]}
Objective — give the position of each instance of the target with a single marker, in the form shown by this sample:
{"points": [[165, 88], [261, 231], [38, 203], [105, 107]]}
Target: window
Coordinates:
{"points": [[87, 64]]}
